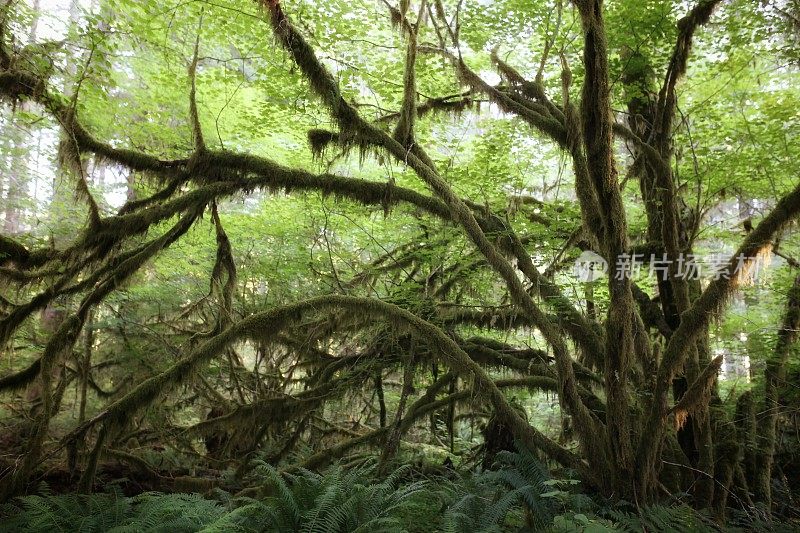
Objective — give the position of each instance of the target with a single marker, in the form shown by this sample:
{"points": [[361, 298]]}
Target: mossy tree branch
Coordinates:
{"points": [[696, 318], [350, 122], [269, 323]]}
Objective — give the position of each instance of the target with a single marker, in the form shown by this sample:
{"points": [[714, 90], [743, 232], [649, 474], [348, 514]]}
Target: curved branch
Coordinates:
{"points": [[269, 323], [348, 120], [424, 405]]}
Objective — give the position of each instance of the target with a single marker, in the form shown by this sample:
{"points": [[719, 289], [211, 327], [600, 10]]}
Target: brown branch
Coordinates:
{"points": [[667, 99], [194, 117], [698, 394]]}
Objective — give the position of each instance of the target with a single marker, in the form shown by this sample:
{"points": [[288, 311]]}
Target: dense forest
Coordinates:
{"points": [[394, 265]]}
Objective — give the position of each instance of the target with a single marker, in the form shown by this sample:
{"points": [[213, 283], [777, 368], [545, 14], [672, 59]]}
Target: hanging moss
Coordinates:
{"points": [[223, 275], [404, 129], [15, 85], [452, 105], [535, 114], [321, 80], [531, 89], [696, 399], [319, 140]]}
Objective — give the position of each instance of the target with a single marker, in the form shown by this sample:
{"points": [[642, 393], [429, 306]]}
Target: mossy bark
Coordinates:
{"points": [[774, 378]]}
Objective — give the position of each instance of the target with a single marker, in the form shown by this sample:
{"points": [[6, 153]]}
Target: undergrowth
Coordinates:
{"points": [[518, 494]]}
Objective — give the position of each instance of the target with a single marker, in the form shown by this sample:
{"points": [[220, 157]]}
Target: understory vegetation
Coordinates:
{"points": [[429, 265], [518, 495]]}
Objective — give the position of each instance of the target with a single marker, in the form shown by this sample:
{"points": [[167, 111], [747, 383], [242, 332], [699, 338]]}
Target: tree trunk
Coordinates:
{"points": [[774, 376]]}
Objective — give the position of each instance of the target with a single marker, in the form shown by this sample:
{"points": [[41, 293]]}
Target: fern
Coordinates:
{"points": [[341, 500], [679, 518], [250, 516], [520, 489], [174, 512], [64, 513], [285, 503], [518, 495]]}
